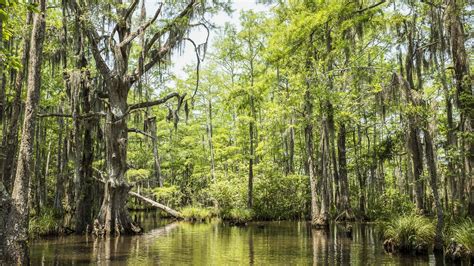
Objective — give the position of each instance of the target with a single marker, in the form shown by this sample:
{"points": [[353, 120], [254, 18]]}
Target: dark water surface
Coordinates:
{"points": [[215, 243]]}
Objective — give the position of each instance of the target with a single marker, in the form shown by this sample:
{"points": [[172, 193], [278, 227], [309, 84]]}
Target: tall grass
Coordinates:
{"points": [[462, 240], [45, 224], [195, 213], [238, 215], [409, 233]]}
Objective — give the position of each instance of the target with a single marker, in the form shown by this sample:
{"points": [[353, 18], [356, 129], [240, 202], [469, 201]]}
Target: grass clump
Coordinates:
{"points": [[462, 241], [412, 233], [195, 213], [44, 224], [238, 216]]}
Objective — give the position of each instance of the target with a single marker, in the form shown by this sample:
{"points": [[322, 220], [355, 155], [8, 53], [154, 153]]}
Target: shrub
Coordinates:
{"points": [[195, 213], [170, 196], [278, 196], [229, 194], [409, 233], [391, 202]]}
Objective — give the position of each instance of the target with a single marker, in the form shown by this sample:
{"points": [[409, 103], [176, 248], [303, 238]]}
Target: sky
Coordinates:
{"points": [[188, 57]]}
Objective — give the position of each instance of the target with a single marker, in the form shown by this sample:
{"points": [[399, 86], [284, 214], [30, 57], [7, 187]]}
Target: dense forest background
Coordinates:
{"points": [[320, 110]]}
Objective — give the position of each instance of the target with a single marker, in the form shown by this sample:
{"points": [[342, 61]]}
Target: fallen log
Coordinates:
{"points": [[160, 206]]}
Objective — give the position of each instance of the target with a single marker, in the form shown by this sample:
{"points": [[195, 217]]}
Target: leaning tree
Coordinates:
{"points": [[166, 30]]}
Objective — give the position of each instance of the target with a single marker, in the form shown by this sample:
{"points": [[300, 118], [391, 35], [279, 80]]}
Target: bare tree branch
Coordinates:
{"points": [[198, 59], [136, 130], [170, 26], [370, 7], [82, 116], [141, 29], [127, 14], [153, 103]]}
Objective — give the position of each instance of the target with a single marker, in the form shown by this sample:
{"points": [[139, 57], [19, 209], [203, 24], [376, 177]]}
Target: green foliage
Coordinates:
{"points": [[170, 196], [281, 197], [138, 174], [229, 194], [409, 233], [196, 213], [390, 203]]}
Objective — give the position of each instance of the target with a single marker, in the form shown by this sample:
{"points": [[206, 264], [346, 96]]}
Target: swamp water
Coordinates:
{"points": [[215, 243]]}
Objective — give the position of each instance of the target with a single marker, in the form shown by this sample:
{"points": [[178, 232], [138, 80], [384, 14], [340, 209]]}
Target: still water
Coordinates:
{"points": [[215, 243]]}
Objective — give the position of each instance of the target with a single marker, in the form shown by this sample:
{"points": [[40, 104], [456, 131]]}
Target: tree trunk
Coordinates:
{"points": [[84, 200], [156, 156], [361, 177], [252, 153], [113, 216], [210, 135], [308, 136], [346, 213], [414, 143], [61, 164], [430, 160], [17, 221], [464, 97], [12, 134], [417, 158], [324, 172], [291, 147]]}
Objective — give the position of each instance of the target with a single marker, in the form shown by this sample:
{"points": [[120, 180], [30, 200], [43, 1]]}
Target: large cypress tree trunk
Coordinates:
{"points": [[113, 217], [17, 221]]}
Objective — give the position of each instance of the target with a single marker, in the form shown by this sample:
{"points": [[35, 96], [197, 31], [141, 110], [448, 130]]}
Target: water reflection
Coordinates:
{"points": [[215, 243]]}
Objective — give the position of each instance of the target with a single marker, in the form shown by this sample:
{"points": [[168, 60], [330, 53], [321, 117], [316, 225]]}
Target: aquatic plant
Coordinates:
{"points": [[411, 233]]}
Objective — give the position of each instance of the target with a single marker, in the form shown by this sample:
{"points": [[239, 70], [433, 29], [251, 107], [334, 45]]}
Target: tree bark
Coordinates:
{"points": [[347, 213], [430, 160], [84, 199], [113, 216], [156, 156], [210, 135], [464, 97], [17, 221], [252, 152], [308, 136], [61, 164], [12, 134]]}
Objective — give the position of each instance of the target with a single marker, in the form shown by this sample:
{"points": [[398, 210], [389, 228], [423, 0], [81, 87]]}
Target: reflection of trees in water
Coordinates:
{"points": [[130, 249], [251, 247], [331, 247], [320, 247]]}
